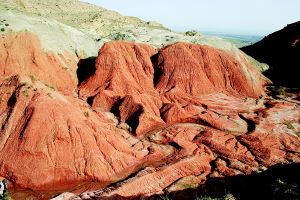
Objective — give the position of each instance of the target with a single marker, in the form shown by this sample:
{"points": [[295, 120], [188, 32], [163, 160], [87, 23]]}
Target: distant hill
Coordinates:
{"points": [[103, 22], [79, 15], [280, 50], [97, 25], [238, 40]]}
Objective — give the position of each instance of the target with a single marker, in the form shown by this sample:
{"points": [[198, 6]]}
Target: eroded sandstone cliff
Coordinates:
{"points": [[144, 122]]}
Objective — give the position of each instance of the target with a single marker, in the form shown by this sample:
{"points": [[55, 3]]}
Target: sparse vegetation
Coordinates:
{"points": [[5, 194], [2, 24], [192, 33], [282, 91], [49, 95], [6, 79], [227, 196], [33, 79], [65, 67], [289, 125], [53, 87], [283, 190], [50, 86], [25, 93], [86, 113]]}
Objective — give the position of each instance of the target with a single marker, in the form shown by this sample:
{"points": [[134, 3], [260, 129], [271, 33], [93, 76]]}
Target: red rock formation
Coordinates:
{"points": [[124, 76], [57, 143], [200, 85], [129, 78], [196, 110], [195, 69], [22, 53], [198, 149]]}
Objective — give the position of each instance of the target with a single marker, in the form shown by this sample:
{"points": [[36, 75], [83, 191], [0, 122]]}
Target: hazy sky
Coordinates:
{"points": [[249, 17]]}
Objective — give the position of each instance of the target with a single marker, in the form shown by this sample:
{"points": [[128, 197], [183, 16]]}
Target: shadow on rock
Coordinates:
{"points": [[86, 68], [280, 50], [278, 182]]}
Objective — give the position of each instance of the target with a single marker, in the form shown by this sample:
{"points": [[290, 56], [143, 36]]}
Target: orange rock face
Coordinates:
{"points": [[22, 53], [178, 116], [152, 88], [123, 80], [195, 69], [57, 142]]}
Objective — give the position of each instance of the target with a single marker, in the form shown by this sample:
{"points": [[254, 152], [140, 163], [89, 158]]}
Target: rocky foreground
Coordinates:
{"points": [[140, 122]]}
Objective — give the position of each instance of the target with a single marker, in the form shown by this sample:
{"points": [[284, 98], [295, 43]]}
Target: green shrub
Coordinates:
{"points": [[32, 78], [86, 113], [53, 87], [289, 125], [192, 33], [65, 67], [228, 197], [284, 190]]}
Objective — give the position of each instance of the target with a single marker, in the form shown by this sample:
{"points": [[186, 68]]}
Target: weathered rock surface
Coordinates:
{"points": [[50, 142], [22, 53], [146, 88], [158, 122], [216, 117], [196, 69]]}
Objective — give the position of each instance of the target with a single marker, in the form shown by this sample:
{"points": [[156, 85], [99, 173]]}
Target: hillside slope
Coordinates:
{"points": [[105, 25], [68, 45], [79, 15], [280, 50]]}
